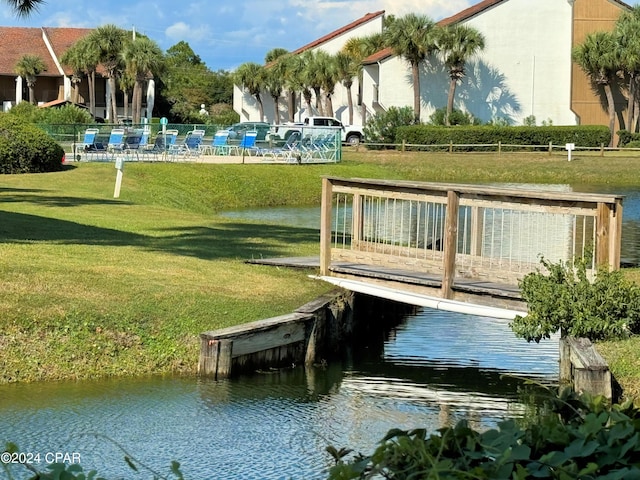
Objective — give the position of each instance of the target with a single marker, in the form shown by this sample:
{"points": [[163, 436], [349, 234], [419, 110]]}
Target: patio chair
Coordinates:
{"points": [[288, 152], [116, 140], [246, 145], [190, 147], [218, 145], [88, 143], [161, 145]]}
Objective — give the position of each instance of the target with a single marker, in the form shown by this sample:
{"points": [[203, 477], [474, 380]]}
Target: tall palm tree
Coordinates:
{"points": [[598, 57], [359, 48], [109, 41], [143, 58], [347, 69], [412, 38], [274, 82], [627, 33], [327, 74], [24, 8], [82, 58], [250, 76], [295, 82], [312, 75], [29, 67], [457, 44]]}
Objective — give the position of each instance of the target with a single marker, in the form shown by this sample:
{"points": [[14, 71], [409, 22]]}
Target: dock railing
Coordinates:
{"points": [[471, 232]]}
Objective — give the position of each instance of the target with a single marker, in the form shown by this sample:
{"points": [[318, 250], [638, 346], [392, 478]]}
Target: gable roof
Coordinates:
{"points": [[336, 33], [15, 42]]}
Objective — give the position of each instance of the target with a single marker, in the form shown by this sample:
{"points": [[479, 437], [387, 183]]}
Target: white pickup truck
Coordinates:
{"points": [[350, 134]]}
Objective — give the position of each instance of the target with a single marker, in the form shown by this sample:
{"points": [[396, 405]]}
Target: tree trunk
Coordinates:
{"points": [[276, 109], [32, 93], [350, 104], [415, 74], [260, 107], [452, 93], [114, 105], [91, 82], [319, 108], [611, 108], [328, 106], [631, 101], [292, 105]]}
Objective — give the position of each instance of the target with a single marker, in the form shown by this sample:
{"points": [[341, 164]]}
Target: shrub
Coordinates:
{"points": [[457, 117], [27, 149], [573, 437], [383, 126], [584, 136], [565, 300]]}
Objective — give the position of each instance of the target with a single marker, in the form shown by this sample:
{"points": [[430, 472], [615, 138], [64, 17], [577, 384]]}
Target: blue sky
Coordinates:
{"points": [[226, 33]]}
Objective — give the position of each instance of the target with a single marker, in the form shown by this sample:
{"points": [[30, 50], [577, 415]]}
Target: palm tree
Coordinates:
{"points": [[359, 48], [598, 58], [250, 76], [24, 8], [457, 44], [109, 41], [313, 79], [295, 82], [347, 69], [275, 54], [143, 58], [82, 58], [29, 67], [326, 71], [412, 38], [274, 82], [627, 33]]}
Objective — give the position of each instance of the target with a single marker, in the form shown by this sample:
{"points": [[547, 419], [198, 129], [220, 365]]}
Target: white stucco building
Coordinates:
{"points": [[525, 69]]}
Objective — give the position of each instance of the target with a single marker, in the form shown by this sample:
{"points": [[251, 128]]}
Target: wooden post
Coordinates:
{"points": [[565, 362], [477, 230], [499, 147], [404, 143], [325, 227], [602, 149], [603, 238], [356, 221], [550, 148], [450, 243], [215, 357], [450, 146]]}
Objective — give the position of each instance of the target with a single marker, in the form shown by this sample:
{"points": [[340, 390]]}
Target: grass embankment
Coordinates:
{"points": [[95, 286]]}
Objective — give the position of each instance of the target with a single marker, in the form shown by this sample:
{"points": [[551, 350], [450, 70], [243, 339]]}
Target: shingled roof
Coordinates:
{"points": [[15, 42]]}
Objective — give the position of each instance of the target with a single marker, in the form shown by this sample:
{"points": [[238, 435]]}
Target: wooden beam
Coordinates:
{"points": [[450, 243], [325, 226]]}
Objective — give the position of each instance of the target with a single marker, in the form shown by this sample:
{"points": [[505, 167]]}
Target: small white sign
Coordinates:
{"points": [[569, 147]]}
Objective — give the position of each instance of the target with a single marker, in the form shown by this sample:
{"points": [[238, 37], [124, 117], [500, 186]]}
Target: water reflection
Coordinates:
{"points": [[428, 370]]}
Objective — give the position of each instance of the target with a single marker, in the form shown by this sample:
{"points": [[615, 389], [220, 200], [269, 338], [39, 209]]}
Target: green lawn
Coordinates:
{"points": [[94, 286]]}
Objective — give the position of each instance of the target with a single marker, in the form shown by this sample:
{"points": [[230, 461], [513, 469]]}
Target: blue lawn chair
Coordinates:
{"points": [[247, 144]]}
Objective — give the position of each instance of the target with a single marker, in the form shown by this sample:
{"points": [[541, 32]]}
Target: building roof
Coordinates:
{"points": [[15, 42], [336, 33]]}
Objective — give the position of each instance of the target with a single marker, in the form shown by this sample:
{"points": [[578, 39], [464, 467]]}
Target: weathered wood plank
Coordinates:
{"points": [[450, 243]]}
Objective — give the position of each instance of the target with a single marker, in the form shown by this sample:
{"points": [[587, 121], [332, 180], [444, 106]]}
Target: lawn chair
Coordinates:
{"points": [[289, 152], [218, 145], [88, 143], [246, 145], [116, 140], [190, 147], [161, 145]]}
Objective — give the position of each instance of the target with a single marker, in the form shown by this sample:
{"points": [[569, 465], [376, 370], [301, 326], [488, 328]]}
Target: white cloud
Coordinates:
{"points": [[183, 31]]}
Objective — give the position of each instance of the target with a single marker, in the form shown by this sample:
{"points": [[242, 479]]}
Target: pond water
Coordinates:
{"points": [[430, 370]]}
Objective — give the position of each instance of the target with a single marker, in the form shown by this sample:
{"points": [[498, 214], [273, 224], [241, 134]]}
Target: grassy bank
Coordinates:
{"points": [[93, 286]]}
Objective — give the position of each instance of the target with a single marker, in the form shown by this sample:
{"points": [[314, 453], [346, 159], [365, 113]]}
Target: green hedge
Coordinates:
{"points": [[27, 149], [582, 136]]}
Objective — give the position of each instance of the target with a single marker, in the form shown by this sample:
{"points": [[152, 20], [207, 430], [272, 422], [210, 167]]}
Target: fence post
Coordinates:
{"points": [[550, 147], [602, 149], [404, 142], [325, 227], [450, 146], [450, 243], [499, 147]]}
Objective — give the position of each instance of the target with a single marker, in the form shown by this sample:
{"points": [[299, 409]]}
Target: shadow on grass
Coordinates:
{"points": [[233, 240]]}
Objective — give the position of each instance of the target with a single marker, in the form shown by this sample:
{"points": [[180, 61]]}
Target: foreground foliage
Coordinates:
{"points": [[27, 149], [574, 437], [565, 300]]}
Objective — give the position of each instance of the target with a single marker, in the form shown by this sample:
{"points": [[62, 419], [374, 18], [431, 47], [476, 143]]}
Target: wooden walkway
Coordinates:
{"points": [[476, 292]]}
